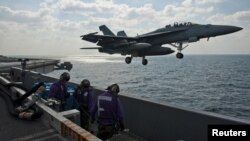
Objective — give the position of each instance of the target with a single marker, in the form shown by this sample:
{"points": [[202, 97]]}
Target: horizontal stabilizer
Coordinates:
{"points": [[89, 34], [91, 48], [90, 37]]}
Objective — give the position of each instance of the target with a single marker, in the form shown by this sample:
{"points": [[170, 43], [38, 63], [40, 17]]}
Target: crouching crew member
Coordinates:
{"points": [[83, 97], [110, 113], [58, 91]]}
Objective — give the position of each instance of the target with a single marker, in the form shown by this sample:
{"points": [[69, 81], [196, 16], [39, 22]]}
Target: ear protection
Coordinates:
{"points": [[65, 76], [85, 83], [114, 88]]}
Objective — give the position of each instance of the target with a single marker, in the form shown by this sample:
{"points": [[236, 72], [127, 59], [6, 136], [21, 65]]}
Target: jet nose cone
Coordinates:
{"points": [[217, 30], [235, 28], [231, 29]]}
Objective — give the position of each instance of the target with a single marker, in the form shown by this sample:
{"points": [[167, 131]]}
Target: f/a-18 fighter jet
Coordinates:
{"points": [[150, 44]]}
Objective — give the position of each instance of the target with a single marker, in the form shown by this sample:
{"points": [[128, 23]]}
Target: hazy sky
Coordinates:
{"points": [[54, 27]]}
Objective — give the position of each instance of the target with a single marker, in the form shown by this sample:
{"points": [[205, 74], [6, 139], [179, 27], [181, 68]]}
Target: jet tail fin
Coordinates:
{"points": [[122, 34], [105, 30]]}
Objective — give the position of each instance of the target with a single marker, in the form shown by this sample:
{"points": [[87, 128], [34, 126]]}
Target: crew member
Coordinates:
{"points": [[83, 97], [110, 113], [58, 91]]}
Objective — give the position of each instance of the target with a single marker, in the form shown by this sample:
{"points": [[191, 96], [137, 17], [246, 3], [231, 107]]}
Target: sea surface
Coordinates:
{"points": [[214, 83]]}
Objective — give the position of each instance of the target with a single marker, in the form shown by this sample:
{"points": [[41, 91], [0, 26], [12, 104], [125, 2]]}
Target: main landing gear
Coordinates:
{"points": [[128, 60], [179, 47], [144, 61]]}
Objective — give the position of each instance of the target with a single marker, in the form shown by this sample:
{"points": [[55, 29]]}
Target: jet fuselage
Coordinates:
{"points": [[190, 33], [150, 44]]}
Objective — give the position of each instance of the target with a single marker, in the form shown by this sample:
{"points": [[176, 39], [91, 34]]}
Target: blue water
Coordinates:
{"points": [[215, 83]]}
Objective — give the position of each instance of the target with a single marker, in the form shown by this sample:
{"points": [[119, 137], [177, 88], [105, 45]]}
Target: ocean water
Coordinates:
{"points": [[215, 83]]}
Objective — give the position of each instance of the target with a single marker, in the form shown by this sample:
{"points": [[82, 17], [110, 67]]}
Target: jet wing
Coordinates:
{"points": [[93, 37]]}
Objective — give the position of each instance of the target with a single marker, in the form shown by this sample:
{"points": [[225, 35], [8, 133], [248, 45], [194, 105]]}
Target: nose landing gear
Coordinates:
{"points": [[179, 55], [179, 47]]}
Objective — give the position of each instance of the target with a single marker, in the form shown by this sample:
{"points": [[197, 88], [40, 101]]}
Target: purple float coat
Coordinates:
{"points": [[58, 90], [83, 96], [109, 109]]}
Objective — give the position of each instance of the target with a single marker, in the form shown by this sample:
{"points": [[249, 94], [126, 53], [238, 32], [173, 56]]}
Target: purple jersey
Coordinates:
{"points": [[58, 90], [83, 97], [109, 109]]}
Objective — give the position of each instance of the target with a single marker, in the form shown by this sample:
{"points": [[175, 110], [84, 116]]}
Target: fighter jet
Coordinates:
{"points": [[151, 44]]}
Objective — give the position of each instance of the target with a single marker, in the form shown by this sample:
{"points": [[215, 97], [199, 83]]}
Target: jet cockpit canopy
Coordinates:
{"points": [[176, 24]]}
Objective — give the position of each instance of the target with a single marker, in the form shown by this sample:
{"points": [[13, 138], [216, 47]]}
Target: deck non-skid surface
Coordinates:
{"points": [[125, 136], [120, 136], [13, 129]]}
